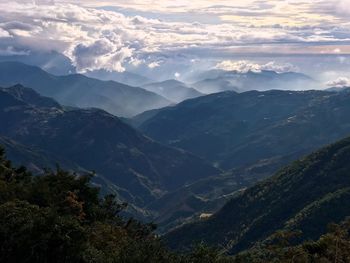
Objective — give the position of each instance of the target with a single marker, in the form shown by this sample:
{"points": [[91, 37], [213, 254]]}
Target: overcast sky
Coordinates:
{"points": [[146, 36]]}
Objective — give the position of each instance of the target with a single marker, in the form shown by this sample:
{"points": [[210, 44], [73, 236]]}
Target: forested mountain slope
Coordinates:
{"points": [[306, 195], [242, 128], [95, 140]]}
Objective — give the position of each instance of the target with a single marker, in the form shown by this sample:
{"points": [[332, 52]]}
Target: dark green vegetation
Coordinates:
{"points": [[60, 217], [38, 132], [240, 129], [80, 91], [334, 246], [306, 195], [206, 196]]}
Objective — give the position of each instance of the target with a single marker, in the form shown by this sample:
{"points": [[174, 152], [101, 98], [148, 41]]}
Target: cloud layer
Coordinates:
{"points": [[94, 38], [244, 66], [340, 82]]}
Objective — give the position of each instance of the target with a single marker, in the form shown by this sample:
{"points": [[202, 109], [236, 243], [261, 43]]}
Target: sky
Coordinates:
{"points": [[174, 37]]}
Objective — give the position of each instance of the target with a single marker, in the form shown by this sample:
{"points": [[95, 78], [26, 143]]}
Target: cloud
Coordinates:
{"points": [[244, 66], [343, 7], [11, 51], [100, 53], [16, 25], [91, 38], [340, 82], [94, 38], [154, 64], [4, 33]]}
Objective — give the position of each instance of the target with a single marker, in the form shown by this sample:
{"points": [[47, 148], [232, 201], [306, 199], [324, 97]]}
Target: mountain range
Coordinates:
{"points": [[194, 157], [173, 90], [52, 62], [255, 133], [38, 132], [217, 80], [80, 91], [128, 78], [240, 129]]}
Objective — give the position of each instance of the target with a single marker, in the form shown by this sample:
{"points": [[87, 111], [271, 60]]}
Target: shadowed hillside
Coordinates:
{"points": [[306, 196], [241, 129], [97, 141]]}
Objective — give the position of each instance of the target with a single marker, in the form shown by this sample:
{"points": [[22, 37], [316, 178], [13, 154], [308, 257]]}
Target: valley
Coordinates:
{"points": [[248, 137]]}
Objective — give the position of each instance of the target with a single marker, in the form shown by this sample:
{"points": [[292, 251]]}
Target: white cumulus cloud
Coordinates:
{"points": [[340, 82], [94, 38], [244, 66], [154, 64], [102, 52]]}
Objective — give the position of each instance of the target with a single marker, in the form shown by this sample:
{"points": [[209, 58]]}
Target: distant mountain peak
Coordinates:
{"points": [[81, 91], [173, 90], [217, 80]]}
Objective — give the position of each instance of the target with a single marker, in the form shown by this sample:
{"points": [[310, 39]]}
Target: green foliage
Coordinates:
{"points": [[60, 217], [30, 233], [334, 246], [307, 195], [204, 254]]}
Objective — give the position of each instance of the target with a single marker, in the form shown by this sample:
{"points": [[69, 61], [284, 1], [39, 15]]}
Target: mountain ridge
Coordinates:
{"points": [[292, 199], [125, 157], [217, 80], [81, 91], [242, 128], [173, 90]]}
